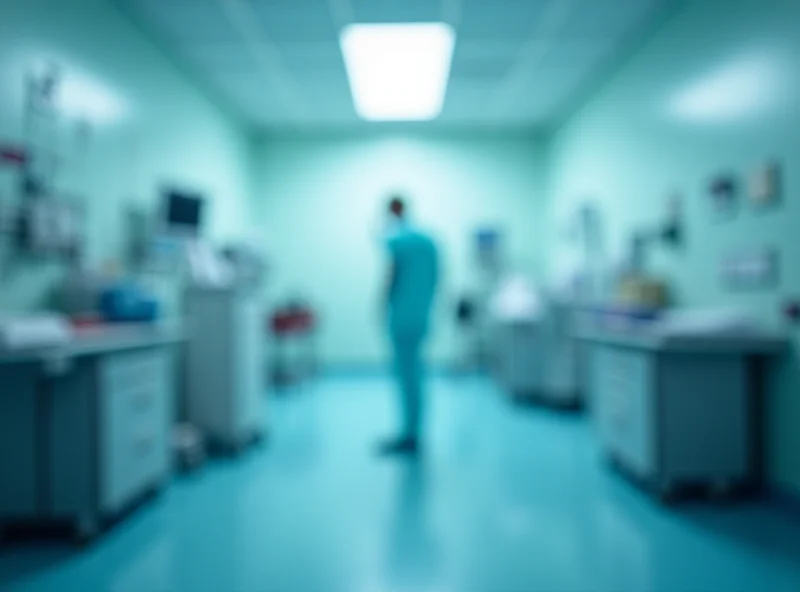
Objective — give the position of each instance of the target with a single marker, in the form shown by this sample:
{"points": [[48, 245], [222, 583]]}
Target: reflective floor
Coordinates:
{"points": [[507, 499]]}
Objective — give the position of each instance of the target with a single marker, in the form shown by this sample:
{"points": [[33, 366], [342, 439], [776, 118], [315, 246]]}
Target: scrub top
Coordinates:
{"points": [[416, 264]]}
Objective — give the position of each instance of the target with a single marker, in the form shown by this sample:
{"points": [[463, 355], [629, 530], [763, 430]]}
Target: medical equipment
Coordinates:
{"points": [[189, 447], [225, 352], [466, 317], [642, 292], [51, 226], [294, 328], [78, 295], [516, 298], [246, 263], [182, 213], [225, 365], [207, 268], [488, 268], [536, 355]]}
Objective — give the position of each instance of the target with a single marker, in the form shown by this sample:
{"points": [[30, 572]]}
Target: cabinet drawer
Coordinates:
{"points": [[623, 387], [135, 396], [130, 369], [134, 462], [148, 455]]}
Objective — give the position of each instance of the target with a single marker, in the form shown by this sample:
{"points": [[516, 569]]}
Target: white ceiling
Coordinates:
{"points": [[517, 63]]}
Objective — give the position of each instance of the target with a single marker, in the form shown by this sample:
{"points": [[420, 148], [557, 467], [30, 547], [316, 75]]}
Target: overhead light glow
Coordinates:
{"points": [[83, 98], [741, 89], [398, 72], [77, 94]]}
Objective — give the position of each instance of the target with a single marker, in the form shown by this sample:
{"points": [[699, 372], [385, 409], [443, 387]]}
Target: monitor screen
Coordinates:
{"points": [[184, 210]]}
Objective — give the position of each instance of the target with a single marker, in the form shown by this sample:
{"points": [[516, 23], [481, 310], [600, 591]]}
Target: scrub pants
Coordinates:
{"points": [[408, 369]]}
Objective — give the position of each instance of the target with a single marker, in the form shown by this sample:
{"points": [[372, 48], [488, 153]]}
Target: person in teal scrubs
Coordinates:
{"points": [[413, 279]]}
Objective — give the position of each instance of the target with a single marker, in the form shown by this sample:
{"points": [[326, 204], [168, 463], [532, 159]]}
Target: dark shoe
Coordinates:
{"points": [[399, 447]]}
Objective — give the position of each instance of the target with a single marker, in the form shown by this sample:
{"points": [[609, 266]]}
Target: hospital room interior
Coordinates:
{"points": [[399, 295]]}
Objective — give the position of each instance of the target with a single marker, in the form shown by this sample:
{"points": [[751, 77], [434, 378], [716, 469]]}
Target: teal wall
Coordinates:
{"points": [[166, 132], [320, 200], [717, 88]]}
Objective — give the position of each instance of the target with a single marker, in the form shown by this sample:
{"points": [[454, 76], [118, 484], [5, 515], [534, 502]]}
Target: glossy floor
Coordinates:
{"points": [[506, 499]]}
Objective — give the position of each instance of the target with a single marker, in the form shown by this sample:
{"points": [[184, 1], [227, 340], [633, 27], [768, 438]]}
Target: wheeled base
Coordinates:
{"points": [[83, 530], [672, 491], [238, 446], [546, 399]]}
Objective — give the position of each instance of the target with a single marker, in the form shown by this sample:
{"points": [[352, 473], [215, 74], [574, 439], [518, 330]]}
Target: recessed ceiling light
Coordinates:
{"points": [[398, 72]]}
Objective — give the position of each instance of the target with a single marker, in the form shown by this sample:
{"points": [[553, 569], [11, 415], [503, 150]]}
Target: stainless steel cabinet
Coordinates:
{"points": [[624, 399], [82, 443], [540, 358], [135, 424], [679, 415]]}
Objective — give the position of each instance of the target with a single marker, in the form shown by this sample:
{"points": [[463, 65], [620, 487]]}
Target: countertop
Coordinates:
{"points": [[98, 340], [750, 342]]}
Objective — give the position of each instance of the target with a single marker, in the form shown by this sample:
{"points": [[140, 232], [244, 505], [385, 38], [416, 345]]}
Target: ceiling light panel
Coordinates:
{"points": [[398, 72]]}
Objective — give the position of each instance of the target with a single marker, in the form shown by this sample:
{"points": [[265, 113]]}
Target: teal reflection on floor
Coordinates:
{"points": [[507, 499]]}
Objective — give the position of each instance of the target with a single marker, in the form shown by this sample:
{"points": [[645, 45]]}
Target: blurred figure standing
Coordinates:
{"points": [[410, 291]]}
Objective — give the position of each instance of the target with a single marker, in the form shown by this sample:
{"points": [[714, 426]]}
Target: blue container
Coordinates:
{"points": [[127, 303]]}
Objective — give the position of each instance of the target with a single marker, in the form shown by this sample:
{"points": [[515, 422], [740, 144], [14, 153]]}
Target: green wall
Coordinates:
{"points": [[166, 132], [320, 200], [715, 89]]}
